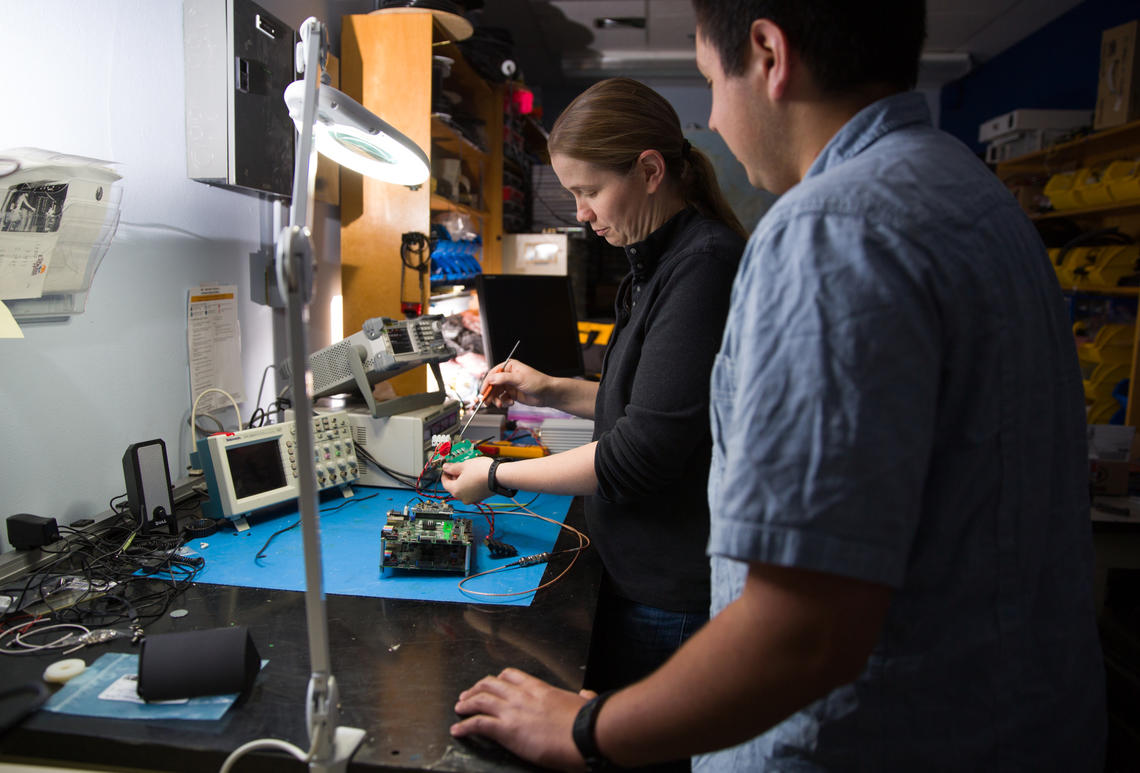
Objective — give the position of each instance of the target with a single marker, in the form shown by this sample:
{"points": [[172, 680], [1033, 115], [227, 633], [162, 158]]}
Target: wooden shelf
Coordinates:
{"points": [[440, 203], [470, 84], [451, 140], [1107, 145], [387, 65], [1121, 142], [1100, 210], [1123, 292]]}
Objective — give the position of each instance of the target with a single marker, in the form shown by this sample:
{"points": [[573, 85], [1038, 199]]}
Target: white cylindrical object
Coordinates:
{"points": [[63, 671]]}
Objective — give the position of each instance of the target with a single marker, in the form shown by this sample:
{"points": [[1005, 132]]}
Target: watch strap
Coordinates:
{"points": [[493, 483], [584, 729]]}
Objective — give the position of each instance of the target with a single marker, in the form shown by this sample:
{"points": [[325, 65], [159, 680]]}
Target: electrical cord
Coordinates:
{"points": [[96, 580], [295, 524], [418, 246], [583, 543], [266, 743], [407, 480], [261, 386], [203, 393], [1099, 237]]}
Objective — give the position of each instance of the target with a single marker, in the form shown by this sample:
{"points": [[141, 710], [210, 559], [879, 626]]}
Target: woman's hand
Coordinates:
{"points": [[467, 480], [518, 382]]}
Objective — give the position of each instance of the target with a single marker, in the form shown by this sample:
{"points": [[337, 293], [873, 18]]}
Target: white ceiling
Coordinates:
{"points": [[960, 34]]}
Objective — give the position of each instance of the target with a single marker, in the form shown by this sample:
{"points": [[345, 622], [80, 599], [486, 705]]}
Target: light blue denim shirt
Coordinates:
{"points": [[897, 399]]}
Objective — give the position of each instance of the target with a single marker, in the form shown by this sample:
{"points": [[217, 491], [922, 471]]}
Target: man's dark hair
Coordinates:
{"points": [[845, 44]]}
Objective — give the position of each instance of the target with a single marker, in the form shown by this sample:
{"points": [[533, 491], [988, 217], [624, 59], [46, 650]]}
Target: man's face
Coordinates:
{"points": [[737, 114]]}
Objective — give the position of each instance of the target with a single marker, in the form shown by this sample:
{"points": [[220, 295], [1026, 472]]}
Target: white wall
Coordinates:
{"points": [[105, 79]]}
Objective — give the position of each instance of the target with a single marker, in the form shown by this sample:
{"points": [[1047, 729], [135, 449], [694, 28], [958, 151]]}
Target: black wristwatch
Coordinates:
{"points": [[493, 484], [584, 726]]}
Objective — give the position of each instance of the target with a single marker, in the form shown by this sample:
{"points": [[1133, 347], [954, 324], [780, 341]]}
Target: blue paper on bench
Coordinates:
{"points": [[87, 694], [350, 550]]}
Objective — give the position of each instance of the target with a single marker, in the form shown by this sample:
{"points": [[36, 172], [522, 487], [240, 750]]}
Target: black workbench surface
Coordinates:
{"points": [[399, 666]]}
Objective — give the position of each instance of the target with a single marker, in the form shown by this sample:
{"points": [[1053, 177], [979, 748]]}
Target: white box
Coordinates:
{"points": [[534, 254], [1017, 144], [1020, 120], [563, 434]]}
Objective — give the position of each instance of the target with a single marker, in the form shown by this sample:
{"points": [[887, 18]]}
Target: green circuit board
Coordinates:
{"points": [[426, 537], [462, 450]]}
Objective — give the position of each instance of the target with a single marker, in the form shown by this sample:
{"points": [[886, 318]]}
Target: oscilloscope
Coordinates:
{"points": [[255, 468]]}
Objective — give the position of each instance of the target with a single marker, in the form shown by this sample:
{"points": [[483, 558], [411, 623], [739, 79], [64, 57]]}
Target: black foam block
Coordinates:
{"points": [[217, 661]]}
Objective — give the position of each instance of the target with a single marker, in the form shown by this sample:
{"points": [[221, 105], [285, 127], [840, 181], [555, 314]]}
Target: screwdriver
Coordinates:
{"points": [[487, 391]]}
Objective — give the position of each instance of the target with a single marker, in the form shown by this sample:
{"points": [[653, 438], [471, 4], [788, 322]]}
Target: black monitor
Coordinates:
{"points": [[538, 312]]}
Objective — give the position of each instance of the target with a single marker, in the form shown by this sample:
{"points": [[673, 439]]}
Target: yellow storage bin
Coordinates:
{"points": [[1112, 343], [1109, 264], [1075, 266], [1123, 180], [1102, 411], [594, 332], [1090, 189], [1104, 377], [1061, 189]]}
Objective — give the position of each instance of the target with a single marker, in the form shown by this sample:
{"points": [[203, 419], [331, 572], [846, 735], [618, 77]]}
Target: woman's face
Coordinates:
{"points": [[616, 206]]}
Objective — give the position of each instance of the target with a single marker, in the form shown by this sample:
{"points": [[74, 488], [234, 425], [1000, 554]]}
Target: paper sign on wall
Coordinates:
{"points": [[214, 342]]}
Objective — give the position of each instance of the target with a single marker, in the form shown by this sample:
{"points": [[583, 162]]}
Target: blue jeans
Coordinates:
{"points": [[631, 640]]}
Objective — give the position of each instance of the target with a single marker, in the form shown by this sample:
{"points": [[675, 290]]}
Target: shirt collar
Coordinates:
{"points": [[644, 255], [868, 125]]}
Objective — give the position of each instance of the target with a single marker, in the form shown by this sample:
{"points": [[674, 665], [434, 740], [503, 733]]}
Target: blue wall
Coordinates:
{"points": [[1054, 68]]}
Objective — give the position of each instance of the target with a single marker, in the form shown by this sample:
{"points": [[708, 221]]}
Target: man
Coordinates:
{"points": [[901, 556]]}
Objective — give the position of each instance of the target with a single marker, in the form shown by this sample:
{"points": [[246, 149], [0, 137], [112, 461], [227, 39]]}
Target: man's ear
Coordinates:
{"points": [[651, 165], [770, 58]]}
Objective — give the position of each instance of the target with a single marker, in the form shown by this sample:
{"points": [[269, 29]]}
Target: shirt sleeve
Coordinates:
{"points": [[651, 445], [824, 400]]}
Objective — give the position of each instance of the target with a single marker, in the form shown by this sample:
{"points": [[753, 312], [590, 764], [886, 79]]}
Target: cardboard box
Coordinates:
{"points": [[1118, 85], [1109, 478], [1022, 120]]}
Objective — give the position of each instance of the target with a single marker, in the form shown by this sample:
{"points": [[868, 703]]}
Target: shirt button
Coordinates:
{"points": [[640, 266], [632, 250]]}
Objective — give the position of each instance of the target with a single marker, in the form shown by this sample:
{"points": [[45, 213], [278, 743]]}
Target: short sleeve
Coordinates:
{"points": [[822, 428]]}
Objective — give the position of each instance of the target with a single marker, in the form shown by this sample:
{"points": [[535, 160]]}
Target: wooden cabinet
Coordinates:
{"points": [[386, 64], [1075, 174]]}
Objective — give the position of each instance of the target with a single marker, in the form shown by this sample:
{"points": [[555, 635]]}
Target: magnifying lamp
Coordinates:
{"points": [[333, 123], [353, 136]]}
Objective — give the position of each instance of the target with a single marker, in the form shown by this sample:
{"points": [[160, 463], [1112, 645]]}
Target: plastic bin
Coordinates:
{"points": [[1075, 266], [1103, 378], [1110, 264], [1112, 343], [1061, 190], [1090, 188], [1103, 411], [1122, 179]]}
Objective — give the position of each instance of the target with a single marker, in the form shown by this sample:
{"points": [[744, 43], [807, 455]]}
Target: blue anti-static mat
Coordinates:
{"points": [[350, 549]]}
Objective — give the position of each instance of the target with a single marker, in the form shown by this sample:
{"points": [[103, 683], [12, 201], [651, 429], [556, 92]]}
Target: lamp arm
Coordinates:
{"points": [[331, 747], [310, 58]]}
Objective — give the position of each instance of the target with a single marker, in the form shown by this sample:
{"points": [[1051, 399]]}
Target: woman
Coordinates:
{"points": [[640, 185]]}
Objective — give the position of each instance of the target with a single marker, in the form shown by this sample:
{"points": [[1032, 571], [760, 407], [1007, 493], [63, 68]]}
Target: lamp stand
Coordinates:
{"points": [[331, 747]]}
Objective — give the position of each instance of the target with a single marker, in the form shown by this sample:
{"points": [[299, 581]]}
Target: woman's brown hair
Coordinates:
{"points": [[611, 123]]}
